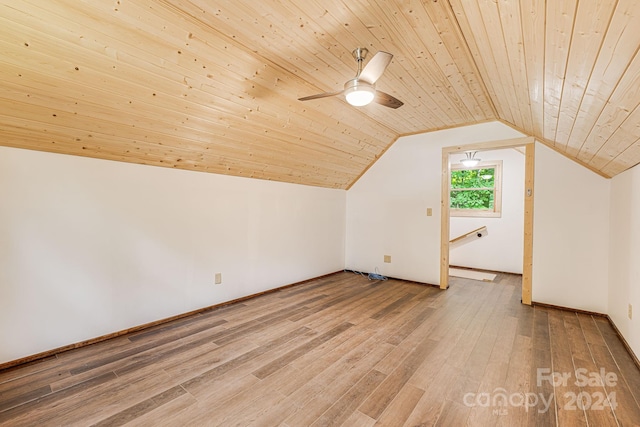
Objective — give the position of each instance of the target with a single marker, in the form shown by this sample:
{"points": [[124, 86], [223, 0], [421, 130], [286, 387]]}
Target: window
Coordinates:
{"points": [[476, 191]]}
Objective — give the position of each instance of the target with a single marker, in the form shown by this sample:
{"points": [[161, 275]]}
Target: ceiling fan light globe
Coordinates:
{"points": [[359, 93], [470, 162]]}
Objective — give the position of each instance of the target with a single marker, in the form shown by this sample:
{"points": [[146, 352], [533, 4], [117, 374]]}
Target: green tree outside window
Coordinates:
{"points": [[475, 191], [472, 188]]}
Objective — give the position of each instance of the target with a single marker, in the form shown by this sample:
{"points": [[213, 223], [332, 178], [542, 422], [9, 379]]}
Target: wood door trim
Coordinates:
{"points": [[527, 266]]}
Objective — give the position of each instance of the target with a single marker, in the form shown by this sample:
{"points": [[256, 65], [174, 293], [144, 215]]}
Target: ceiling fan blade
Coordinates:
{"points": [[320, 95], [387, 100], [375, 67]]}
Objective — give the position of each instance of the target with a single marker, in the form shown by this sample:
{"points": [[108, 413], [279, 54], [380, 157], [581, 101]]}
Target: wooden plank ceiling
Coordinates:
{"points": [[213, 86]]}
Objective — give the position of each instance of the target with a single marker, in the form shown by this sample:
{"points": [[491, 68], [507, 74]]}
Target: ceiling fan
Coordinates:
{"points": [[361, 90]]}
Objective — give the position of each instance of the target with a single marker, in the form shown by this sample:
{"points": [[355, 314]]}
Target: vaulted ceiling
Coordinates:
{"points": [[213, 86]]}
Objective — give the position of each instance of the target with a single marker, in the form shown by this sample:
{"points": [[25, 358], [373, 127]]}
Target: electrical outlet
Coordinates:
{"points": [[429, 211], [387, 258], [218, 279], [630, 312]]}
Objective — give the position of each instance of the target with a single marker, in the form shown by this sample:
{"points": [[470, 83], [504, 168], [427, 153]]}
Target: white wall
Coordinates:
{"points": [[502, 248], [386, 208], [624, 273], [89, 247], [570, 235]]}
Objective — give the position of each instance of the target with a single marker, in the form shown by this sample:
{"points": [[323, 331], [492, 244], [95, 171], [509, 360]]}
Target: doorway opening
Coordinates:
{"points": [[529, 146]]}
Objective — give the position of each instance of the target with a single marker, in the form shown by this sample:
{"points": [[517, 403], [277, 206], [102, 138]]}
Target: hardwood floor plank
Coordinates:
{"points": [[517, 382], [171, 413], [358, 419], [181, 331], [347, 404], [392, 307], [165, 352], [575, 337], [175, 347], [429, 408], [358, 301], [237, 378], [590, 330], [340, 350], [622, 357], [460, 355], [451, 331], [106, 399], [272, 367], [201, 380], [407, 328], [187, 365], [135, 411], [625, 407], [562, 362], [391, 386], [207, 409], [541, 359], [491, 385], [453, 414], [503, 346], [35, 406], [459, 389], [332, 383], [76, 357], [401, 407], [96, 363], [525, 322], [583, 361], [435, 327], [27, 369], [197, 361], [161, 329], [324, 355], [276, 414], [488, 365], [247, 406], [262, 322], [28, 387], [14, 398]]}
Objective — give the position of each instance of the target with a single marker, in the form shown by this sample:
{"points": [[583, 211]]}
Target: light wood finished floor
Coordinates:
{"points": [[343, 350]]}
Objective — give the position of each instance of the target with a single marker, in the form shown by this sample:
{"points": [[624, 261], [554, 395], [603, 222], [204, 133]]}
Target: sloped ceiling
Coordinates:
{"points": [[213, 86]]}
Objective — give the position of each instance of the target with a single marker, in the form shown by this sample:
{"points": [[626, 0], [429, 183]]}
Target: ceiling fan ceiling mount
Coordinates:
{"points": [[360, 53]]}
